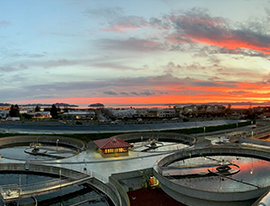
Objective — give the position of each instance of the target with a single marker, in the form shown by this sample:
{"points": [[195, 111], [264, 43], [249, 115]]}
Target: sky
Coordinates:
{"points": [[135, 52]]}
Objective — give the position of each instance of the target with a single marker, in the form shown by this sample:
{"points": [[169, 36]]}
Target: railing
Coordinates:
{"points": [[78, 144], [4, 188], [97, 180], [40, 185], [36, 188]]}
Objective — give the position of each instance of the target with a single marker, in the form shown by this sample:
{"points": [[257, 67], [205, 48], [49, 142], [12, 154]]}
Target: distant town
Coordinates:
{"points": [[99, 113]]}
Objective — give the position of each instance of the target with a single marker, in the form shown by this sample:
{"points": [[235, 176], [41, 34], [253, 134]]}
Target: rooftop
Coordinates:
{"points": [[111, 143]]}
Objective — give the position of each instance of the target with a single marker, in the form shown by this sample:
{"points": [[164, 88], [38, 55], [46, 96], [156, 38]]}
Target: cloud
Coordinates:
{"points": [[147, 93], [130, 44], [55, 63], [170, 68], [8, 68], [194, 27], [122, 24], [116, 20], [163, 88], [124, 93], [24, 54], [199, 27], [134, 93], [5, 23], [114, 66], [108, 13], [110, 93]]}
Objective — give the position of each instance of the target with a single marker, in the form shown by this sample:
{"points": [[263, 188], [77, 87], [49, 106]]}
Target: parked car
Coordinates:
{"points": [[78, 123]]}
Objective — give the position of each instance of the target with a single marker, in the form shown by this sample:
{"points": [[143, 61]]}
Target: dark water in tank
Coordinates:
{"points": [[65, 197]]}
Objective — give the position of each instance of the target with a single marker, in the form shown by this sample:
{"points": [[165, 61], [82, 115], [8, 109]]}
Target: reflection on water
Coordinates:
{"points": [[253, 172], [65, 196]]}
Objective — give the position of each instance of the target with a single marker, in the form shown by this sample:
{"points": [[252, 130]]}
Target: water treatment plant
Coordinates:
{"points": [[194, 170]]}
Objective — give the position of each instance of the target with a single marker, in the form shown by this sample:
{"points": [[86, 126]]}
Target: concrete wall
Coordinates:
{"points": [[128, 181], [133, 180], [255, 141], [161, 136], [121, 190], [75, 143], [193, 195]]}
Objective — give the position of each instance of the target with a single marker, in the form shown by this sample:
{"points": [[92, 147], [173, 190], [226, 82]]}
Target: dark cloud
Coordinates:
{"points": [[236, 92], [135, 93], [147, 93], [131, 44], [156, 85], [200, 27], [212, 84], [110, 93], [124, 93], [197, 26]]}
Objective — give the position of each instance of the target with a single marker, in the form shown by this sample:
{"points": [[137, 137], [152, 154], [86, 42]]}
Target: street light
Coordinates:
{"points": [[57, 143]]}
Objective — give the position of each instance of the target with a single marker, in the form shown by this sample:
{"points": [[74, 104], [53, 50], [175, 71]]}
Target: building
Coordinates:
{"points": [[164, 113], [122, 113], [87, 115], [4, 114], [112, 147], [40, 114], [191, 109]]}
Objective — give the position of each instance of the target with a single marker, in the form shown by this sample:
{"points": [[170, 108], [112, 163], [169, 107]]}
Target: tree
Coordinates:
{"points": [[37, 109], [228, 110], [27, 116], [14, 111], [53, 112]]}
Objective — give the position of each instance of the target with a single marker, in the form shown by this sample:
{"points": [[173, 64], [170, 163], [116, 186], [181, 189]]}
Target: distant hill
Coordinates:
{"points": [[4, 104], [49, 105]]}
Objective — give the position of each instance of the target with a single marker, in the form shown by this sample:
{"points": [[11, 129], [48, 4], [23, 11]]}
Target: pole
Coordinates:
{"points": [[57, 144]]}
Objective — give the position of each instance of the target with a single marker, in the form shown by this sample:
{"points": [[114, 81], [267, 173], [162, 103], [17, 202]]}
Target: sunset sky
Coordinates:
{"points": [[130, 52]]}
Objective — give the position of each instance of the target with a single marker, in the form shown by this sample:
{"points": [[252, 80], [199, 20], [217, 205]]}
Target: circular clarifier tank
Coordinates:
{"points": [[26, 153], [217, 175], [39, 148], [84, 194]]}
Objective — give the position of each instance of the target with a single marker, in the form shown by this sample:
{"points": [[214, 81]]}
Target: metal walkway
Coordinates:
{"points": [[15, 192]]}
